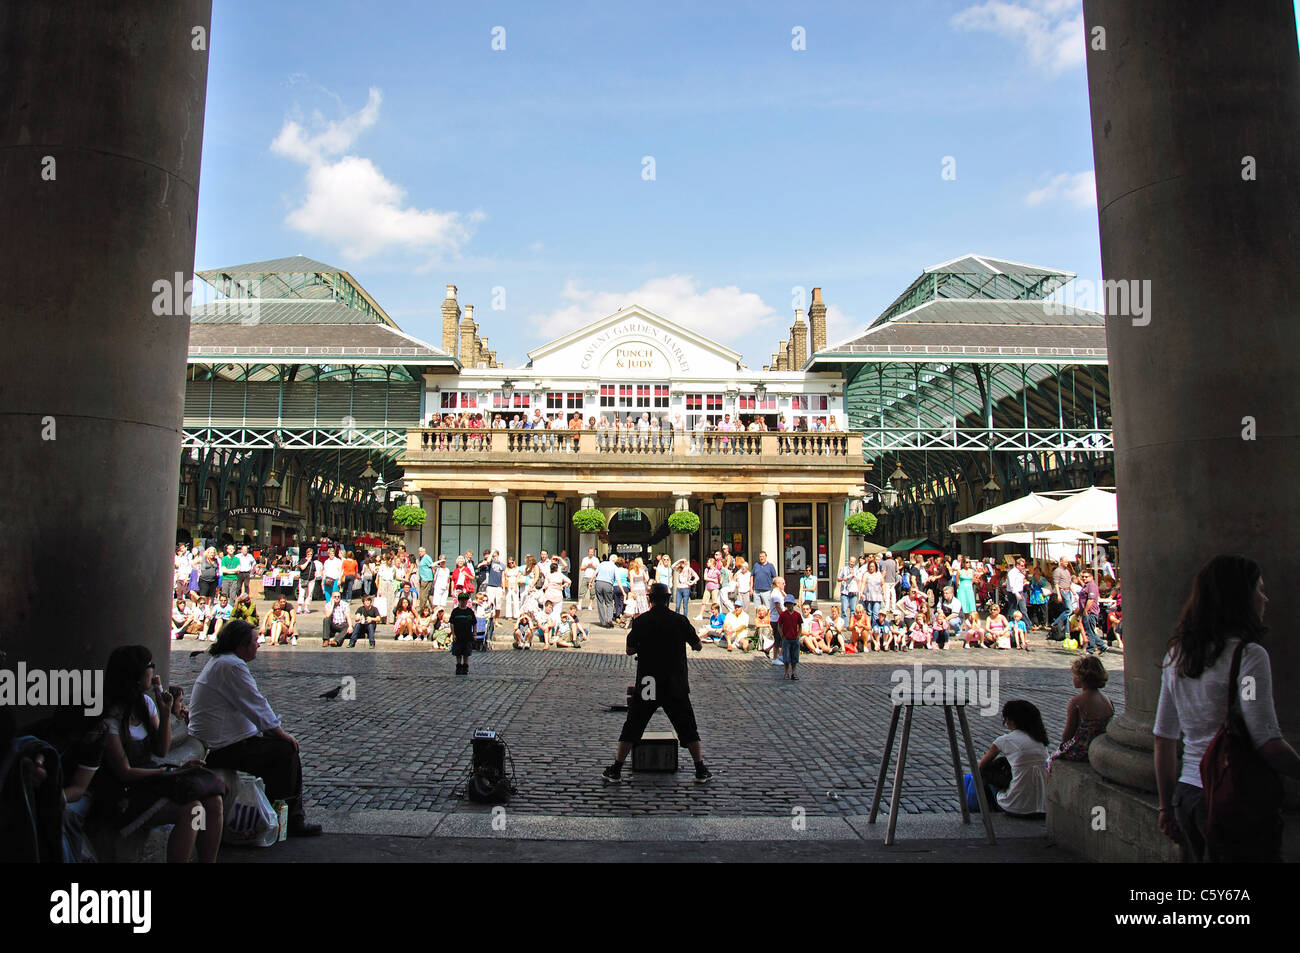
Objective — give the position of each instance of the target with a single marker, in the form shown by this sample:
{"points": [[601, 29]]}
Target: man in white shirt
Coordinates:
{"points": [[246, 564], [1016, 588], [589, 565], [238, 726]]}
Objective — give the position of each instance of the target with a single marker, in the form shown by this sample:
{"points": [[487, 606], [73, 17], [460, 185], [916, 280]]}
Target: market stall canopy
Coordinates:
{"points": [[925, 547], [1090, 511], [1008, 517], [871, 549]]}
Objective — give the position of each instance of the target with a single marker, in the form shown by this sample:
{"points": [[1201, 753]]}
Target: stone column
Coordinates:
{"points": [[1196, 139], [853, 544], [837, 545], [99, 178], [768, 537], [499, 520]]}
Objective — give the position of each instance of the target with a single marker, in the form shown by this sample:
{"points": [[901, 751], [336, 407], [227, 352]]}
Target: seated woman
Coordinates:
{"points": [[440, 630], [180, 619], [860, 634], [1024, 744], [404, 627], [524, 631], [1019, 637], [837, 632], [1088, 713], [974, 632], [735, 628], [997, 630], [814, 631], [279, 627], [131, 788], [424, 620]]}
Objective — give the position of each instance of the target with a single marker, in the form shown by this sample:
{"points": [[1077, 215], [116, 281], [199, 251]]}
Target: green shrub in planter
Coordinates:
{"points": [[861, 524], [589, 521], [684, 521], [409, 516]]}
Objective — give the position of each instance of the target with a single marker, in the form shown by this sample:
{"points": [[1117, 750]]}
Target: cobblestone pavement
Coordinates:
{"points": [[775, 747]]}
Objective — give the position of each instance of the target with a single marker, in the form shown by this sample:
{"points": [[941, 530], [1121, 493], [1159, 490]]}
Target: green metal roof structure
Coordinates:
{"points": [[973, 373], [295, 363]]}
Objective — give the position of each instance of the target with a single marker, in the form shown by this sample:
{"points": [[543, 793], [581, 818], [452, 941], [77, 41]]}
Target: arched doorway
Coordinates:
{"points": [[630, 532]]}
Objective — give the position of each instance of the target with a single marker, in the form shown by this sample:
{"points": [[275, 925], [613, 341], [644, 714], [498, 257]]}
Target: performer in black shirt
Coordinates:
{"points": [[463, 621], [658, 639]]}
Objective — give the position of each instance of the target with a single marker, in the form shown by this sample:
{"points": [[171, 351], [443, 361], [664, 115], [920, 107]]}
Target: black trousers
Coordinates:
{"points": [[272, 759], [680, 713]]}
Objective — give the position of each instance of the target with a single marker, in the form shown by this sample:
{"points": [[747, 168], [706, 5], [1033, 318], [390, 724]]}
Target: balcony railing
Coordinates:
{"points": [[696, 446]]}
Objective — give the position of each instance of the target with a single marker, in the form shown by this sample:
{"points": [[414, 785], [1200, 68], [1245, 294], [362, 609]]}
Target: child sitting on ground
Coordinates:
{"points": [[763, 631], [716, 621], [898, 631], [939, 629], [974, 634], [1019, 635], [919, 635]]}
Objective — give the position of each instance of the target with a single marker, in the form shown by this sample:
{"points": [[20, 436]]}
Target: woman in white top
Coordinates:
{"points": [[742, 581], [511, 577], [639, 582], [1024, 745], [333, 571], [1223, 617]]}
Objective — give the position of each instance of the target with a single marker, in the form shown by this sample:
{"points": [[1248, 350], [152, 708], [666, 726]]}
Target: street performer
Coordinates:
{"points": [[658, 638]]}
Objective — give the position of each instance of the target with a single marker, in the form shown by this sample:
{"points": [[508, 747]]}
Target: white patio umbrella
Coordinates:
{"points": [[1046, 540], [1090, 511], [1007, 517]]}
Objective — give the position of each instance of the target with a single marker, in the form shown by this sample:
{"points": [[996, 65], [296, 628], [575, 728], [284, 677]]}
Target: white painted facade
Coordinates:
{"points": [[634, 362]]}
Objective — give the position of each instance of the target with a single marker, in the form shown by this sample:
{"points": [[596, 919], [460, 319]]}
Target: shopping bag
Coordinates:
{"points": [[250, 820]]}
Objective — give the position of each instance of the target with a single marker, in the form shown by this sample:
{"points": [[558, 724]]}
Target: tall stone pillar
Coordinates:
{"points": [[837, 543], [99, 178], [768, 541], [1196, 139], [499, 520]]}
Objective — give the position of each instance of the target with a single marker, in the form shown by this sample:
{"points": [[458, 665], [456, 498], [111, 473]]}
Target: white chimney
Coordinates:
{"points": [[451, 292]]}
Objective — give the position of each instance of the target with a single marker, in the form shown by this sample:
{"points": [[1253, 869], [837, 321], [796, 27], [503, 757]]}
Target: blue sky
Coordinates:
{"points": [[392, 140]]}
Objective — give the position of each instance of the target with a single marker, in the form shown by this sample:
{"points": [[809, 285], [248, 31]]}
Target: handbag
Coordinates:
{"points": [[1243, 794], [195, 783]]}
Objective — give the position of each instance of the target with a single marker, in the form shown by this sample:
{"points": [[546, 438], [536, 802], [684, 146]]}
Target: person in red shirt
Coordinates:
{"points": [[790, 622], [462, 577]]}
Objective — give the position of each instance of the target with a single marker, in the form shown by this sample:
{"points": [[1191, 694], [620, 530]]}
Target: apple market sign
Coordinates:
{"points": [[624, 351]]}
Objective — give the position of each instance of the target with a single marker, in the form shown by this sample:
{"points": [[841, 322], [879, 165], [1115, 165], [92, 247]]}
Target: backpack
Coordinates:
{"points": [[905, 581], [1243, 794]]}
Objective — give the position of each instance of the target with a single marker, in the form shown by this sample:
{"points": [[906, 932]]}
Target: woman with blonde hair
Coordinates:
{"points": [[511, 579], [638, 581]]}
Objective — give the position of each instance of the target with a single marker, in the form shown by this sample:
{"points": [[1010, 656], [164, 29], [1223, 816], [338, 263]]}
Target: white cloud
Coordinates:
{"points": [[351, 203], [738, 319], [1076, 188], [841, 326], [1051, 30]]}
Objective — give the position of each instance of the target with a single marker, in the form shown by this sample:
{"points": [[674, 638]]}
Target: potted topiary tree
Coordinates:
{"points": [[588, 522], [860, 525], [411, 518], [683, 524]]}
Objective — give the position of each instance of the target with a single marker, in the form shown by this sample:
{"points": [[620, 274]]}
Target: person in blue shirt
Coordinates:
{"points": [[606, 580], [425, 568], [762, 573], [1019, 637], [621, 589]]}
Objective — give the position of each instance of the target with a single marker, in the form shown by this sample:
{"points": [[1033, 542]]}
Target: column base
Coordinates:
{"points": [[1129, 829], [1125, 754], [1104, 821]]}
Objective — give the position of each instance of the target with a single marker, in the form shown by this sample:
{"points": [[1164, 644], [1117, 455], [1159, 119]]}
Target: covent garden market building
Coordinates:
{"points": [[308, 412]]}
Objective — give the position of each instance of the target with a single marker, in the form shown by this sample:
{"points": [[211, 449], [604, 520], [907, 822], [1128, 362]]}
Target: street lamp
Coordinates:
{"points": [[719, 501], [760, 392], [991, 490], [507, 391], [550, 497]]}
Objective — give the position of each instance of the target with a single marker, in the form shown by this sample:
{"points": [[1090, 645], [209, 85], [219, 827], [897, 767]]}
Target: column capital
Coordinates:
{"points": [[499, 491], [769, 496], [681, 494]]}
